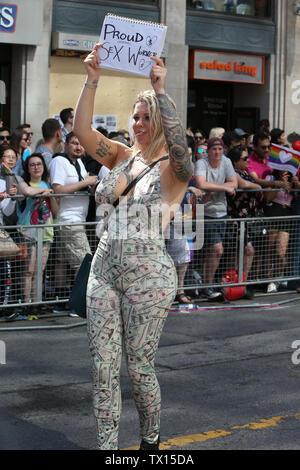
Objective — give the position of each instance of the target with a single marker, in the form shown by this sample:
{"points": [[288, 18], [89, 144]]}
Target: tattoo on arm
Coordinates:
{"points": [[103, 149], [180, 160]]}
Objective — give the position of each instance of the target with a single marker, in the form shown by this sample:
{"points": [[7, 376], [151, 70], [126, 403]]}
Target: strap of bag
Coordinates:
{"points": [[138, 178]]}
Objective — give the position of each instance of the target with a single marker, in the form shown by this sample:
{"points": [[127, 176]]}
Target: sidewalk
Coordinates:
{"points": [[49, 320]]}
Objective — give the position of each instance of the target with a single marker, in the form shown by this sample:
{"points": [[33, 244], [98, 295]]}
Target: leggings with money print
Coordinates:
{"points": [[131, 287]]}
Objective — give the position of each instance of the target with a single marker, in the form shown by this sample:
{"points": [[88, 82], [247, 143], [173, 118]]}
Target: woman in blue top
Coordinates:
{"points": [[35, 211]]}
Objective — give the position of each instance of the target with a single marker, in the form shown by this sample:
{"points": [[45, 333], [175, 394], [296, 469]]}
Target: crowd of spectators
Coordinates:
{"points": [[231, 180]]}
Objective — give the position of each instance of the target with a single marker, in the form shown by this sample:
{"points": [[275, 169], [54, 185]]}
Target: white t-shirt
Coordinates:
{"points": [[71, 208], [103, 172], [217, 204]]}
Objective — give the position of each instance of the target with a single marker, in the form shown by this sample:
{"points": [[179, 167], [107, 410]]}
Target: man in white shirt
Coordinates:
{"points": [[52, 135], [68, 176], [215, 175]]}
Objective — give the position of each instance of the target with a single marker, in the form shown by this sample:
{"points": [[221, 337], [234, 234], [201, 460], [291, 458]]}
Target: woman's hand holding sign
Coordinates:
{"points": [[158, 76], [92, 65]]}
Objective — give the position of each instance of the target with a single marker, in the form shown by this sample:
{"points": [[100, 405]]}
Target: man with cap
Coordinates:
{"points": [[242, 135], [214, 174]]}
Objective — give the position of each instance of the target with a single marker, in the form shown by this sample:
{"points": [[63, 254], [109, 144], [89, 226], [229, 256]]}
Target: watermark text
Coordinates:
{"points": [[2, 352]]}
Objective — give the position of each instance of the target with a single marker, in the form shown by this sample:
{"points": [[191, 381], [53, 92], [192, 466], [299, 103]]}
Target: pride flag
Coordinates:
{"points": [[284, 158]]}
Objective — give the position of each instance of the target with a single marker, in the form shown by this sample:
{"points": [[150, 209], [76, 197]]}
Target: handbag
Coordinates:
{"points": [[77, 300], [8, 248], [21, 242]]}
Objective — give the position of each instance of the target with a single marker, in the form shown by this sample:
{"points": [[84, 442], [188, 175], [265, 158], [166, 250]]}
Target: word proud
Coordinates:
{"points": [[148, 222]]}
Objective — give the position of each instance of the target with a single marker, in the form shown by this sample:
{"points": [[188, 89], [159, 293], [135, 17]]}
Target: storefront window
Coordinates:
{"points": [[149, 2], [120, 2], [258, 8]]}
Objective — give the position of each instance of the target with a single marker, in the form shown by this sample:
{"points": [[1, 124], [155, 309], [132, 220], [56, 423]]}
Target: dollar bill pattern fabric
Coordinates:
{"points": [[131, 287]]}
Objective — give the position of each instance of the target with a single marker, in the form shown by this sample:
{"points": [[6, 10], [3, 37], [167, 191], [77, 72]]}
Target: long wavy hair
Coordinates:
{"points": [[16, 138], [158, 140]]}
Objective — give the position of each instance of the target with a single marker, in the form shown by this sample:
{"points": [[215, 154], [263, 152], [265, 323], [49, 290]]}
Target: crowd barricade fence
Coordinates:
{"points": [[265, 254], [271, 245]]}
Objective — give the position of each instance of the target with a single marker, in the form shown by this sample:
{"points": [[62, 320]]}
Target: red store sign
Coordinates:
{"points": [[226, 67]]}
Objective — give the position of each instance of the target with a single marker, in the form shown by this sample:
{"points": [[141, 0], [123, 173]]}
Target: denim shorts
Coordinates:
{"points": [[214, 232]]}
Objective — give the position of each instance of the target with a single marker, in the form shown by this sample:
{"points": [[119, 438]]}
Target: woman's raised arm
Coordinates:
{"points": [[180, 161], [102, 149]]}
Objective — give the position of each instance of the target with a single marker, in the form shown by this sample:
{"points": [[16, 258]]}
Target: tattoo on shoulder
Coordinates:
{"points": [[180, 160], [103, 149]]}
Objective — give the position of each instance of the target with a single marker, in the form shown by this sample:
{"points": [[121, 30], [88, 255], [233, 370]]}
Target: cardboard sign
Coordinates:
{"points": [[128, 44]]}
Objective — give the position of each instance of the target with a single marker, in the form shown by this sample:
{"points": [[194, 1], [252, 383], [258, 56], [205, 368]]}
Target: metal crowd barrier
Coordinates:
{"points": [[274, 256]]}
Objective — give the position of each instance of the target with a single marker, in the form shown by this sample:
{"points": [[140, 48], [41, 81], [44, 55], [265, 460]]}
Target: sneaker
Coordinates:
{"points": [[210, 293], [60, 308], [73, 314], [21, 317], [272, 287], [11, 316]]}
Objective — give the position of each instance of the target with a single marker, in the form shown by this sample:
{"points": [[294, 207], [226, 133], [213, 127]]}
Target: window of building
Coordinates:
{"points": [[257, 8]]}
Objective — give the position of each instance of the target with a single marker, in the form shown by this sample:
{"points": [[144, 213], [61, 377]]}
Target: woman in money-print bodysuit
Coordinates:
{"points": [[133, 279]]}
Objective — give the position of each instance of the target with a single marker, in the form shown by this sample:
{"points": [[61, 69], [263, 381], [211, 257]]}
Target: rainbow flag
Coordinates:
{"points": [[284, 158]]}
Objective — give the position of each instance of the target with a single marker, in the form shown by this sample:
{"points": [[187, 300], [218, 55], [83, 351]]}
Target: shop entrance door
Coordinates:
{"points": [[209, 105]]}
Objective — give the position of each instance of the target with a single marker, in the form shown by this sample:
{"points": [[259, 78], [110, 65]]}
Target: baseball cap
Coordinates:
{"points": [[240, 132], [214, 141]]}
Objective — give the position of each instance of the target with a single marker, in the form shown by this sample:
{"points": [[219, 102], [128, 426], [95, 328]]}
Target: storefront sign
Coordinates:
{"points": [[73, 45], [8, 17], [73, 42], [23, 20], [226, 67]]}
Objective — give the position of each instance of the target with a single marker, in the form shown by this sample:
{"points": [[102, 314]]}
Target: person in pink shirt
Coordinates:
{"points": [[258, 162], [278, 204]]}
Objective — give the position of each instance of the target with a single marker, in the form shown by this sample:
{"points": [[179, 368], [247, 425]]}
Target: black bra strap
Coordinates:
{"points": [[138, 178]]}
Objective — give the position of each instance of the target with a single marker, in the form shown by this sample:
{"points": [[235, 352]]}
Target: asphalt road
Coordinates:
{"points": [[229, 378]]}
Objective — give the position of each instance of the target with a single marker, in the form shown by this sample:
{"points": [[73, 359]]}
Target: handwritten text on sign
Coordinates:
{"points": [[128, 46]]}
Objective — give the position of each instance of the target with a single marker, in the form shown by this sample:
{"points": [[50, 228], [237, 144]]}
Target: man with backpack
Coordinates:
{"points": [[68, 176]]}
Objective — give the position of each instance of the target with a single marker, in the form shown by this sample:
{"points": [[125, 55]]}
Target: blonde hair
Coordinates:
{"points": [[216, 132], [158, 140]]}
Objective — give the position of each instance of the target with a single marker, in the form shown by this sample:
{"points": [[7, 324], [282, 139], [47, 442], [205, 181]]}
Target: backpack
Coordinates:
{"points": [[236, 292]]}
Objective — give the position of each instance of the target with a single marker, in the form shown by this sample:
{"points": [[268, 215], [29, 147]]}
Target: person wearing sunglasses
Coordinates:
{"points": [[244, 204], [258, 162], [200, 144], [5, 136], [19, 141], [27, 128]]}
